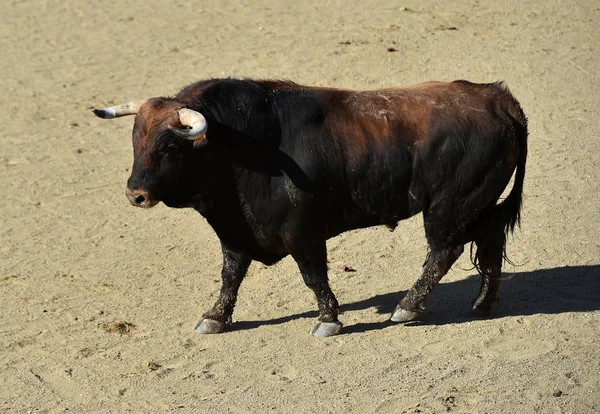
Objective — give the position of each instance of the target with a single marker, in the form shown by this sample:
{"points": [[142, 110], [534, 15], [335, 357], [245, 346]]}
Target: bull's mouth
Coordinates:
{"points": [[147, 204], [178, 201], [142, 199]]}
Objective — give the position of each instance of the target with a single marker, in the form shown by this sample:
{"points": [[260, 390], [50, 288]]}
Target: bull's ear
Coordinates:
{"points": [[200, 142], [130, 108], [196, 125]]}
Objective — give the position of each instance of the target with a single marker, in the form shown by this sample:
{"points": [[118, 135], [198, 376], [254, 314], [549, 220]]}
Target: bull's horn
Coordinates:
{"points": [[130, 108], [192, 119]]}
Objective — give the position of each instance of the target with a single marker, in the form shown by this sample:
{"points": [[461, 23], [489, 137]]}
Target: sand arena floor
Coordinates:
{"points": [[98, 299]]}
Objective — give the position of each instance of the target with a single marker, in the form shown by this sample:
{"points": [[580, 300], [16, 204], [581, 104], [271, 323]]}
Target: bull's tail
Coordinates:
{"points": [[509, 210], [506, 215]]}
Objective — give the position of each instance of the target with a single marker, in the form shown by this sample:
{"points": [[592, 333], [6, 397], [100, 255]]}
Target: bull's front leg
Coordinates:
{"points": [[235, 266], [311, 257]]}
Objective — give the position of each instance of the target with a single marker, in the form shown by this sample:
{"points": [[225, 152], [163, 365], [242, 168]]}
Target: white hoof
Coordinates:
{"points": [[325, 329], [403, 315], [209, 326]]}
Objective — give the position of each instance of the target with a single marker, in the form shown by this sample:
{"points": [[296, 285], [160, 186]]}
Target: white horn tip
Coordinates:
{"points": [[106, 113], [116, 111]]}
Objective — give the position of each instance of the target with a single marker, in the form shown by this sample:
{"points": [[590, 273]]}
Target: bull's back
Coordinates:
{"points": [[399, 148], [376, 157]]}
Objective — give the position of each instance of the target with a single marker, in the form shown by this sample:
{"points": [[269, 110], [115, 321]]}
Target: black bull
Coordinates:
{"points": [[278, 168]]}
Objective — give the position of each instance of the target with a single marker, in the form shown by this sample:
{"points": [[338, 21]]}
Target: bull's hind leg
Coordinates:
{"points": [[235, 266], [446, 242], [440, 260], [488, 259]]}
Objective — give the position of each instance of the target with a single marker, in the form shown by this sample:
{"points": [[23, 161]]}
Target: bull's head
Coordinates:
{"points": [[164, 134]]}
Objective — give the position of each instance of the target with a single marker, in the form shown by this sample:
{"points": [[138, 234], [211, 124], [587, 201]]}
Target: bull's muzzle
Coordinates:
{"points": [[140, 198]]}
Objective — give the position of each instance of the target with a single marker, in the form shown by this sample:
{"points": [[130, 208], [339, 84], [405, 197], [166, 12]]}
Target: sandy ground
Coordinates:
{"points": [[98, 299]]}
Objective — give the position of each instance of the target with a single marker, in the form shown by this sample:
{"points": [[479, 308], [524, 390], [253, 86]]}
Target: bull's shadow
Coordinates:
{"points": [[546, 291]]}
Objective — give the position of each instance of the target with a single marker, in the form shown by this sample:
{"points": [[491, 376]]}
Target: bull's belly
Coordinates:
{"points": [[261, 235], [359, 215]]}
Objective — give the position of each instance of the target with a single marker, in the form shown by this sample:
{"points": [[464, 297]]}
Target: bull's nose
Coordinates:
{"points": [[138, 198]]}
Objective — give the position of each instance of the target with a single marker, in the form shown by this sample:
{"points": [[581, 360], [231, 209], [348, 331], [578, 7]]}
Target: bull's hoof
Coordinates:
{"points": [[209, 326], [403, 315], [325, 329]]}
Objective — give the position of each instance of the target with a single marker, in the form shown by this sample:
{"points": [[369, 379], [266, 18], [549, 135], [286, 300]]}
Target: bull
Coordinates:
{"points": [[277, 168]]}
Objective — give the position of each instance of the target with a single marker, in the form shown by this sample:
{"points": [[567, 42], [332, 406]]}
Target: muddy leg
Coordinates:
{"points": [[311, 257], [435, 268], [489, 257], [488, 294], [235, 266]]}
